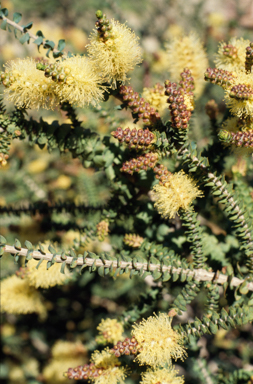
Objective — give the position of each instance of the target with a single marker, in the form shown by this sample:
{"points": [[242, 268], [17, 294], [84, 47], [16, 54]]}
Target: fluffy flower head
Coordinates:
{"points": [[158, 342], [43, 277], [82, 83], [111, 372], [18, 297], [111, 330], [231, 56], [178, 192], [187, 52], [118, 55], [27, 86], [164, 376], [156, 97]]}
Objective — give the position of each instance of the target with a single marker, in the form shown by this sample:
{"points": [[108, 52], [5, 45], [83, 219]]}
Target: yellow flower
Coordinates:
{"points": [[164, 376], [111, 330], [231, 56], [178, 192], [118, 55], [64, 349], [157, 341], [82, 85], [43, 277], [111, 372], [156, 97], [18, 297], [240, 106], [27, 87], [187, 52]]}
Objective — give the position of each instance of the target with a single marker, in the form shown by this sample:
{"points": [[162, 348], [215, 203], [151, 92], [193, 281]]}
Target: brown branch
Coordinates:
{"points": [[197, 274]]}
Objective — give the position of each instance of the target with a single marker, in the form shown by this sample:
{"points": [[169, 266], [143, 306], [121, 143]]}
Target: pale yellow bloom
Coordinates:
{"points": [[18, 297], [63, 349], [82, 85], [29, 88], [235, 62], [179, 191], [163, 376], [158, 342], [156, 98], [118, 55], [187, 52], [111, 371], [43, 277], [240, 107], [111, 330]]}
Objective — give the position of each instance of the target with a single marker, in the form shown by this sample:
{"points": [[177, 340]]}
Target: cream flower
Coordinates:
{"points": [[158, 342], [164, 376], [231, 56], [187, 52], [111, 330], [118, 55], [179, 191], [26, 86]]}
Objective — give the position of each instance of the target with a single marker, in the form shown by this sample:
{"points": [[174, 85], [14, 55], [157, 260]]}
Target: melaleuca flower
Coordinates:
{"points": [[178, 191], [77, 81], [43, 277], [109, 367], [18, 297], [111, 330], [187, 52], [116, 56], [164, 376], [26, 86], [158, 342], [231, 56], [156, 97], [239, 96]]}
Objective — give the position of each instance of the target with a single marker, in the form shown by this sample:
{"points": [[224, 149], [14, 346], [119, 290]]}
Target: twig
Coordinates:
{"points": [[197, 274]]}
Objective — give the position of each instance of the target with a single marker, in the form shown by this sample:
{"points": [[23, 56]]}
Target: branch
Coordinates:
{"points": [[197, 274]]}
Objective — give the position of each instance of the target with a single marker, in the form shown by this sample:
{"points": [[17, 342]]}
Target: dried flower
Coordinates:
{"points": [[117, 55], [178, 191], [133, 240], [187, 52], [163, 376], [158, 342], [77, 81], [18, 297], [111, 330], [26, 86], [102, 229]]}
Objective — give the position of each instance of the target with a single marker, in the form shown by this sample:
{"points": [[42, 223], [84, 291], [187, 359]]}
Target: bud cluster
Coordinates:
{"points": [[41, 63], [187, 82], [144, 162], [162, 174], [133, 240], [103, 26], [241, 92], [84, 372], [219, 76], [180, 115], [7, 78], [126, 347], [239, 139], [230, 51], [58, 73], [211, 109], [249, 58], [138, 105], [102, 230], [134, 138]]}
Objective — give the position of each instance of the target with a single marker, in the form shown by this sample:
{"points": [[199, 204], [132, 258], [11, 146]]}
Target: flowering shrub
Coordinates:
{"points": [[146, 216]]}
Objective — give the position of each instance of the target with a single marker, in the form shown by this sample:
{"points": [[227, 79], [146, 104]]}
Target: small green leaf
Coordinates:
{"points": [[38, 41], [49, 44], [3, 240], [37, 266], [27, 26], [25, 38], [3, 25], [4, 12], [63, 267], [28, 245], [40, 34], [17, 244], [17, 17], [61, 45]]}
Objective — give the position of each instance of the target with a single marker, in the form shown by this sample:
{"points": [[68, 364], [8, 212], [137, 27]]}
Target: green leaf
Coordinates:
{"points": [[4, 12], [25, 38], [40, 34], [61, 45], [28, 245], [49, 44], [37, 266], [27, 26], [3, 240], [3, 25], [38, 41], [63, 267], [17, 17]]}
